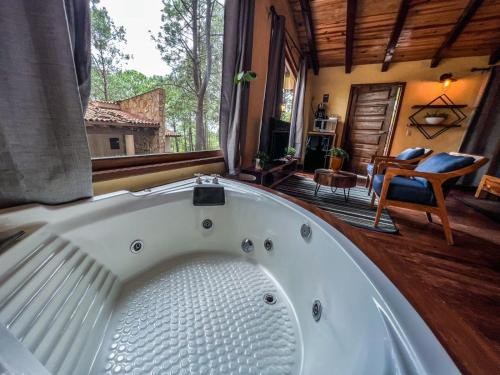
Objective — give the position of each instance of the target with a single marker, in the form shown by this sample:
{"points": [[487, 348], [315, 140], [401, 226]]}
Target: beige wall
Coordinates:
{"points": [[260, 55], [421, 87], [99, 144], [144, 181]]}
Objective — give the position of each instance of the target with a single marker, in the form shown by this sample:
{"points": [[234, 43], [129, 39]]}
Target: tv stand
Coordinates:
{"points": [[275, 174]]}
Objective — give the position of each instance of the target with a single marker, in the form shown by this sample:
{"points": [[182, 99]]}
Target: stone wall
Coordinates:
{"points": [[150, 105], [147, 142]]}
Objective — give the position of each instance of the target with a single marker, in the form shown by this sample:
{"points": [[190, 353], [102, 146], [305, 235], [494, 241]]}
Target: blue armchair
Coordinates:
{"points": [[408, 156], [425, 186]]}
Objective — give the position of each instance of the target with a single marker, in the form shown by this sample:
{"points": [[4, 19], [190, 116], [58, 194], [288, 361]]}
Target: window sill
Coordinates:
{"points": [[104, 169]]}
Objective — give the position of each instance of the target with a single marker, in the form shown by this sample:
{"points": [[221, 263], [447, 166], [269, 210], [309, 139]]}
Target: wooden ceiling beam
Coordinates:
{"points": [[349, 34], [494, 57], [305, 7], [462, 22], [396, 32]]}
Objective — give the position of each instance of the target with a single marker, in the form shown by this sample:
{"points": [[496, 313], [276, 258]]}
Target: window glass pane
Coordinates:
{"points": [[288, 93], [114, 143], [151, 87]]}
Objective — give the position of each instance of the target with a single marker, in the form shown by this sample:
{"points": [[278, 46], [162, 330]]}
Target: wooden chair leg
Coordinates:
{"points": [[443, 215], [429, 217], [367, 180], [379, 213], [370, 186], [446, 228], [372, 204]]}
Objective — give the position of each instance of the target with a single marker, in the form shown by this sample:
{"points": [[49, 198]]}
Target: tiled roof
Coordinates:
{"points": [[110, 113]]}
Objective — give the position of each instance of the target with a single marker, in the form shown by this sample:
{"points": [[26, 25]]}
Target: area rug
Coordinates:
{"points": [[356, 211]]}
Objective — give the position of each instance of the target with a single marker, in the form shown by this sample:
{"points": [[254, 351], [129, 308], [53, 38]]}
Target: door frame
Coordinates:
{"points": [[394, 119]]}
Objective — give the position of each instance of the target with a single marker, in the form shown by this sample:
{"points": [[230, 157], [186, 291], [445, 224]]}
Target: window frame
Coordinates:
{"points": [[109, 168]]}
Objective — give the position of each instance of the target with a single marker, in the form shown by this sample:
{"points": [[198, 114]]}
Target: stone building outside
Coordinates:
{"points": [[132, 126]]}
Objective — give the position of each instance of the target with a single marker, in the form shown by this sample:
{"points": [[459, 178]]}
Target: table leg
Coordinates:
{"points": [[333, 191], [348, 192], [316, 189], [346, 197]]}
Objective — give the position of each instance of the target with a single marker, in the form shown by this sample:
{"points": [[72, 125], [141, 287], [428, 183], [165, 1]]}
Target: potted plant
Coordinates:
{"points": [[337, 156], [435, 118], [290, 152], [261, 160], [245, 77]]}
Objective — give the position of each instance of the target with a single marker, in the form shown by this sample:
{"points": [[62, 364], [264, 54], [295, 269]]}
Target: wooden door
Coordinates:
{"points": [[371, 119]]}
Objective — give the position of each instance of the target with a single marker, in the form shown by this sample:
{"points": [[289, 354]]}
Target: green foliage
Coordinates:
{"points": [[338, 152], [437, 114], [190, 42], [290, 151], [286, 109], [262, 156], [107, 40], [245, 77], [125, 84]]}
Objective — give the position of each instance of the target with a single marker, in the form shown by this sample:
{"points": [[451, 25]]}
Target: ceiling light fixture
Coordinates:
{"points": [[446, 79]]}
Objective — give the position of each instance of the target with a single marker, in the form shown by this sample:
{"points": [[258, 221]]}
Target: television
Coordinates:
{"points": [[280, 134]]}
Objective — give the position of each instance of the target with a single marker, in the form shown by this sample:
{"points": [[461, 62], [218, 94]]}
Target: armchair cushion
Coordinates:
{"points": [[411, 153], [442, 163], [406, 190], [369, 169]]}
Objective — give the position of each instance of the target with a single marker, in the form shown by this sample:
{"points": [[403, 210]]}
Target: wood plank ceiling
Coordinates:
{"points": [[397, 30]]}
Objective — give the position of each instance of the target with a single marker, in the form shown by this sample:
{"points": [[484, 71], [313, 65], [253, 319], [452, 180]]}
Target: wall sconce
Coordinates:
{"points": [[446, 79]]}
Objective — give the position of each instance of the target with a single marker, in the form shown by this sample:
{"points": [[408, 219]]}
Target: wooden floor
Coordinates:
{"points": [[456, 289], [458, 286]]}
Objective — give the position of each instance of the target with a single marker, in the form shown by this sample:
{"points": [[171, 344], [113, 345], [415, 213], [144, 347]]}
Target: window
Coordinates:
{"points": [[288, 93], [150, 86], [114, 143]]}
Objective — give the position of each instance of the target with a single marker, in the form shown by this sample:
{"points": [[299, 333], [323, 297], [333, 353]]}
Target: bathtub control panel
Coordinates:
{"points": [[208, 192]]}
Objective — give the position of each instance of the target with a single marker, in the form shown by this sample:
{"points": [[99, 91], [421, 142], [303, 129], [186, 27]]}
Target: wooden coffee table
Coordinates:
{"points": [[335, 179]]}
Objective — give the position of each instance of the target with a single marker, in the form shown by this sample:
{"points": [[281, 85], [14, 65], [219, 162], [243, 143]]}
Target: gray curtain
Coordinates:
{"points": [[274, 81], [78, 15], [297, 122], [483, 134], [44, 155], [238, 39]]}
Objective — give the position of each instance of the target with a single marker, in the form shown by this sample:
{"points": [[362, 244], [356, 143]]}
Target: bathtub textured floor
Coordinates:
{"points": [[203, 315]]}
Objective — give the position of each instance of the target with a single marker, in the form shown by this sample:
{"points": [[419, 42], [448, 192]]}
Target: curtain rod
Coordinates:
{"points": [[294, 44], [272, 11], [480, 69]]}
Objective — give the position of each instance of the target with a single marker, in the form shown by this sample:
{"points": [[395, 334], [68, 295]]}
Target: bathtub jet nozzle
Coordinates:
{"points": [[317, 309], [247, 245], [305, 231], [268, 244], [136, 246], [207, 224]]}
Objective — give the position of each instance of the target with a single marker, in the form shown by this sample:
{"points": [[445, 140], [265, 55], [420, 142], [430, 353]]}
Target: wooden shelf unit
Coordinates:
{"points": [[275, 174], [443, 106], [454, 109], [437, 125]]}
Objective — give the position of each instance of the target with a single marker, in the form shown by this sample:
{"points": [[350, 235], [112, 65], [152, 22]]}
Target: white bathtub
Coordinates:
{"points": [[75, 299]]}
